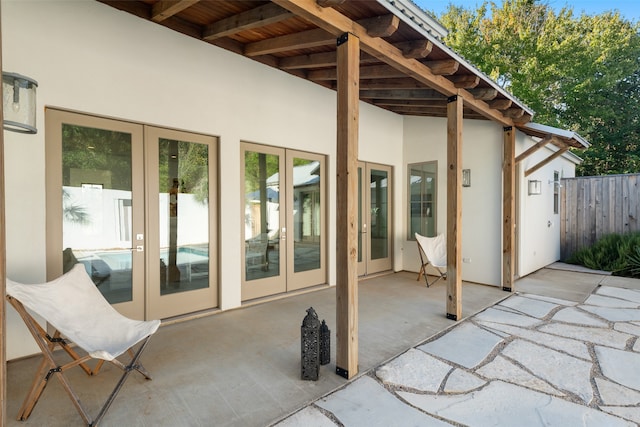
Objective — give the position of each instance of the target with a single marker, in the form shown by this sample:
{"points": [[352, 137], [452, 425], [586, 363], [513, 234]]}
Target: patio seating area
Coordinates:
{"points": [[242, 367]]}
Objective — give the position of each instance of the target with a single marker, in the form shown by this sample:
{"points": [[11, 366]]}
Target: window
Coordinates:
{"points": [[422, 185], [556, 192]]}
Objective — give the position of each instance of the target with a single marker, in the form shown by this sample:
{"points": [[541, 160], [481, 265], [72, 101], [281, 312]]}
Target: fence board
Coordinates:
{"points": [[593, 207]]}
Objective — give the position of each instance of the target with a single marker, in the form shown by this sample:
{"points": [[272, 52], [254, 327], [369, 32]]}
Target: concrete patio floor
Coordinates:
{"points": [[242, 367]]}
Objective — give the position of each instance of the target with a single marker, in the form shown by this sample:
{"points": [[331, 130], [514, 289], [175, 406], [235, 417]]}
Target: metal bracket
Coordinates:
{"points": [[452, 316], [59, 339], [507, 128], [504, 288], [342, 372], [343, 39], [52, 371], [452, 98]]}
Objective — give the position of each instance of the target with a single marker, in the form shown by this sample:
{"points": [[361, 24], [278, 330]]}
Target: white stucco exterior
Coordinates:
{"points": [[91, 58]]}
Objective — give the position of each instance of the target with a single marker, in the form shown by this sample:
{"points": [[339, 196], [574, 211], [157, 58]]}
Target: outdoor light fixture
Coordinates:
{"points": [[535, 187], [19, 103], [466, 177]]}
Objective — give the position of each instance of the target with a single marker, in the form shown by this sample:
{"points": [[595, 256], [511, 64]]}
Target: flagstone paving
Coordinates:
{"points": [[527, 361]]}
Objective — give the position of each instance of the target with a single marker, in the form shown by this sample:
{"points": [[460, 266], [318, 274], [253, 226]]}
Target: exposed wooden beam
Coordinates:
{"points": [[336, 23], [415, 48], [167, 8], [264, 15], [500, 104], [508, 209], [524, 118], [454, 207], [381, 26], [433, 111], [465, 82], [329, 3], [443, 67], [412, 103], [370, 72], [415, 94], [347, 207], [389, 84], [514, 112], [549, 159], [529, 151], [484, 93], [302, 40]]}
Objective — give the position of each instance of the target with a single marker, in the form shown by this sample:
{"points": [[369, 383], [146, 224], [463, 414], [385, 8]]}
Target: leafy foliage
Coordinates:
{"points": [[618, 253], [576, 72]]}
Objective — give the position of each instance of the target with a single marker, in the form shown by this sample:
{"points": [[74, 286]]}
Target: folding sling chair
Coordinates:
{"points": [[432, 251], [80, 314]]}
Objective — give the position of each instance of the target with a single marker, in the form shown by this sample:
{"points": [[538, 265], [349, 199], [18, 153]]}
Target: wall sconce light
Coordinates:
{"points": [[19, 103], [535, 187], [466, 177]]}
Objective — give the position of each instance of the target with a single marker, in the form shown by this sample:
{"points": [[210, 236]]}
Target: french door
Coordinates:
{"points": [[284, 229], [374, 218], [135, 205]]}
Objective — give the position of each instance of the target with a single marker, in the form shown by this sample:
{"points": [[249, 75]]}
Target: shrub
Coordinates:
{"points": [[618, 253]]}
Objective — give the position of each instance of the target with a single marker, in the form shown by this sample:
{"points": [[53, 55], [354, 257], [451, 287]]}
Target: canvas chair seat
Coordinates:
{"points": [[432, 252], [80, 314]]}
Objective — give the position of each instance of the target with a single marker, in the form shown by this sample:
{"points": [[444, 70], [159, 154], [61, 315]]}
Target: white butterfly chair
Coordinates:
{"points": [[433, 252], [80, 314]]}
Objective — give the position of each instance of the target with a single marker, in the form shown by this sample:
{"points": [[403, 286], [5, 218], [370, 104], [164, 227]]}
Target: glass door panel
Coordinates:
{"points": [[264, 221], [181, 222], [374, 213], [306, 220], [101, 205]]}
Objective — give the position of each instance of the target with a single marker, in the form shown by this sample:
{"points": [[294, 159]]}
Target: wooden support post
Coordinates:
{"points": [[454, 207], [346, 206], [3, 276], [509, 210]]}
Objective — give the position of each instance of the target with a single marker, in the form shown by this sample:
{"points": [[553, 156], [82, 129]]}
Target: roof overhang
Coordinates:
{"points": [[404, 66], [561, 136]]}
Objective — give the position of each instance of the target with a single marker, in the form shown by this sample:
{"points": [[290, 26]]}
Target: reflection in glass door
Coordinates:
{"points": [[180, 251], [136, 206], [97, 219], [284, 221], [374, 214]]}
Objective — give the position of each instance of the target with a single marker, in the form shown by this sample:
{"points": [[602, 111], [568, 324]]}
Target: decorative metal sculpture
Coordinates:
{"points": [[325, 344], [310, 340]]}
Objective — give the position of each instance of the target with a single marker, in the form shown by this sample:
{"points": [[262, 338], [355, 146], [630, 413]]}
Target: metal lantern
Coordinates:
{"points": [[325, 344], [19, 103], [310, 340]]}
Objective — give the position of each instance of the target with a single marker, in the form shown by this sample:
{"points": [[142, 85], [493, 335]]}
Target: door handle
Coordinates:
{"points": [[138, 248]]}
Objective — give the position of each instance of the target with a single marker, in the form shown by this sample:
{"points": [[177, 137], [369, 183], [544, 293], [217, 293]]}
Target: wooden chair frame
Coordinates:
{"points": [[424, 262], [49, 367]]}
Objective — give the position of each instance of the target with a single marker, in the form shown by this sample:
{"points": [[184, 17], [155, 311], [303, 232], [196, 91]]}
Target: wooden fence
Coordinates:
{"points": [[592, 207]]}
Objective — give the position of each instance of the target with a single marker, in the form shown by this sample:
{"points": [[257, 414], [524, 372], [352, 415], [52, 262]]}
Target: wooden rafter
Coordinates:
{"points": [[443, 67], [500, 104], [165, 9], [264, 15], [381, 26], [484, 94], [330, 3], [369, 72], [302, 40], [391, 84], [465, 82], [415, 94], [336, 23], [415, 48]]}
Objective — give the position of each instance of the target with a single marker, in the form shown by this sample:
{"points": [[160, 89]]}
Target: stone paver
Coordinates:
{"points": [[527, 361], [466, 345]]}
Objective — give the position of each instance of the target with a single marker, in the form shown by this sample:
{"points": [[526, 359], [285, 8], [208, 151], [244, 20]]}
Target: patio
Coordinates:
{"points": [[242, 367]]}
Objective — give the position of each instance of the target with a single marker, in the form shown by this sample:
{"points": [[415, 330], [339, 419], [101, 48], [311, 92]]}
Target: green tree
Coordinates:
{"points": [[576, 72]]}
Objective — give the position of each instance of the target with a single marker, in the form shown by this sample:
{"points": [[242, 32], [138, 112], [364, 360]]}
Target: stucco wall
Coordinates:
{"points": [[539, 226], [425, 140], [91, 58]]}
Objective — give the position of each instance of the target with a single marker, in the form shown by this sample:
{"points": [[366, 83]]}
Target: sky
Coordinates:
{"points": [[629, 9]]}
